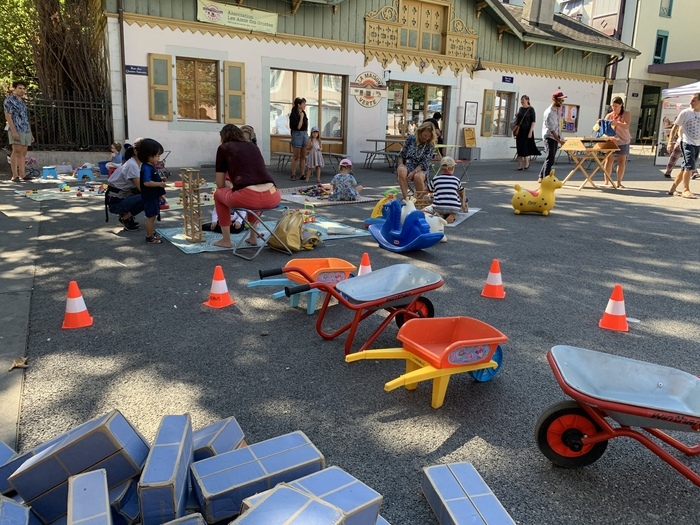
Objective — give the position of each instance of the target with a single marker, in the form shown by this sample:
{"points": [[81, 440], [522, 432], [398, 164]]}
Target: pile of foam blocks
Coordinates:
{"points": [[104, 472]]}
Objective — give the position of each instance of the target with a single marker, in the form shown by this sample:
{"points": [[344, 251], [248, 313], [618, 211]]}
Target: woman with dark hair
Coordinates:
{"points": [[621, 119], [299, 124], [525, 137], [251, 186], [124, 191]]}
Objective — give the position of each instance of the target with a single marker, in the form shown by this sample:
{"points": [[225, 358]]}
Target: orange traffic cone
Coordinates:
{"points": [[614, 317], [365, 266], [219, 296], [494, 285], [77, 315]]}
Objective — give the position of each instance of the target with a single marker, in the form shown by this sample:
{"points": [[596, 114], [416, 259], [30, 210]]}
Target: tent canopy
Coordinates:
{"points": [[688, 89]]}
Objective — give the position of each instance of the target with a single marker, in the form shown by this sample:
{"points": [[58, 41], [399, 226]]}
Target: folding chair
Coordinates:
{"points": [[264, 236]]}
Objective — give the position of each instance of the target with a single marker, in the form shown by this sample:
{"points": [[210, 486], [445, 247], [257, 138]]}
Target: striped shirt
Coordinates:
{"points": [[445, 188], [16, 107]]}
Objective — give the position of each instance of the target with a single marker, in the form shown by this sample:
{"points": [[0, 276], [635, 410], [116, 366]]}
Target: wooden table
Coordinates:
{"points": [[463, 163], [390, 156], [583, 149]]}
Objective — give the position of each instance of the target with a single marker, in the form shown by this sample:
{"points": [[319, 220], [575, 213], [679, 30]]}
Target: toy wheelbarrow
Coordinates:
{"points": [[328, 270], [396, 289], [439, 348], [611, 395]]}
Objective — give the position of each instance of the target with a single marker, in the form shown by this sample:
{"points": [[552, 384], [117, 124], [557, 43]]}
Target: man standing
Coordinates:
{"points": [[551, 133], [435, 121], [20, 135], [686, 128]]}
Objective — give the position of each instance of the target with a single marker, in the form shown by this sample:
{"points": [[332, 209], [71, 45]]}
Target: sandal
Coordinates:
{"points": [[688, 195], [294, 177], [153, 240]]}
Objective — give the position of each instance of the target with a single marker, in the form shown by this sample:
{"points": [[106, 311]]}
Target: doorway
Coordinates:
{"points": [[646, 126]]}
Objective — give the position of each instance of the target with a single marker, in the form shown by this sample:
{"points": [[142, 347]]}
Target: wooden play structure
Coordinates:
{"points": [[191, 204]]}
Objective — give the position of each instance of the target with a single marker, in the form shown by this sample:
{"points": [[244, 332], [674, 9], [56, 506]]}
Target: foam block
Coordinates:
{"points": [[223, 481], [88, 499], [359, 503], [6, 453], [285, 505], [165, 479], [108, 442], [191, 519], [382, 521], [217, 438], [458, 495], [124, 501], [8, 467], [13, 513]]}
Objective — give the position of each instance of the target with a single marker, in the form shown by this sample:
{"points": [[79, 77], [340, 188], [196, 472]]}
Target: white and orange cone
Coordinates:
{"points": [[219, 296], [365, 266], [614, 317], [77, 315], [494, 285]]}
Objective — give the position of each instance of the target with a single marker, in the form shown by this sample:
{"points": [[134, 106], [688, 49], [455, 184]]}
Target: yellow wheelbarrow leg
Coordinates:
{"points": [[382, 353]]}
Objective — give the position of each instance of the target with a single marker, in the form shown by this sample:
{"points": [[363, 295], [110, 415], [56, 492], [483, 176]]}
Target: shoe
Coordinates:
{"points": [[293, 177], [129, 224], [668, 175], [27, 177], [688, 195], [695, 176], [154, 240], [16, 180]]}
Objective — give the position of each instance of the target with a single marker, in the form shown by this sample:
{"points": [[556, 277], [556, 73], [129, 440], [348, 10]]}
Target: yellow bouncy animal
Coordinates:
{"points": [[538, 201]]}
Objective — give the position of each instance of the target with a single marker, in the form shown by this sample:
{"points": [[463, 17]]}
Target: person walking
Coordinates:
{"points": [[525, 133], [687, 129], [620, 120], [551, 133], [19, 132]]}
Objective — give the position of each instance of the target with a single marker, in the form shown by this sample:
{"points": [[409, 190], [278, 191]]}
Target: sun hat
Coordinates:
{"points": [[558, 94], [346, 162], [314, 128]]}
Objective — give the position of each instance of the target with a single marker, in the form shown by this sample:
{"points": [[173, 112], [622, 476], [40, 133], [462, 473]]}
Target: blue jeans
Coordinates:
{"points": [[132, 205], [690, 155]]}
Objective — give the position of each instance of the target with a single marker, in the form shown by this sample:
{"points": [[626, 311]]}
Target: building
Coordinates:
{"points": [[180, 69]]}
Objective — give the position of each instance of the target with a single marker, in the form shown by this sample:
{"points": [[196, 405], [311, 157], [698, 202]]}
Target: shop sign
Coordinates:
{"points": [[368, 89], [235, 16]]}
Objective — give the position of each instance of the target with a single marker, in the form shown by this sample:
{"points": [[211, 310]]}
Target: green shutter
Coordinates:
{"points": [[234, 93], [487, 114], [160, 87]]}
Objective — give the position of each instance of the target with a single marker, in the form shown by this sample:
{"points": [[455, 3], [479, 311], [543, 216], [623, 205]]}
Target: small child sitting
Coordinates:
{"points": [[345, 187], [448, 195], [213, 226]]}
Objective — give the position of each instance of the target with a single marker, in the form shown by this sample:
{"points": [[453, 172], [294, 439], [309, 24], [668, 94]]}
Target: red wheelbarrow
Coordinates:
{"points": [[612, 395]]}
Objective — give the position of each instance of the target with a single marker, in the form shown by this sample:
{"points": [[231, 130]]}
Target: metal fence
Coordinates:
{"points": [[70, 124]]}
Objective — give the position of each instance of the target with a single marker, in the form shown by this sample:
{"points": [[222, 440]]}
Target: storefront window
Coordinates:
{"points": [[409, 105]]}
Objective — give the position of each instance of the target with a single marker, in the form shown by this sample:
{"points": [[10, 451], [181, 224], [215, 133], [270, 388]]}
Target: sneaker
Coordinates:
{"points": [[129, 224], [695, 176], [154, 240]]}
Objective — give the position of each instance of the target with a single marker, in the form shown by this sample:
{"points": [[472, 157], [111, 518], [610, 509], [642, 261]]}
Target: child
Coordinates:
{"points": [[345, 187], [314, 155], [115, 158], [152, 186], [448, 196]]}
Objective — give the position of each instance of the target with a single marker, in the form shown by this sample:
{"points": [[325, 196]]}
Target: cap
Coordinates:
{"points": [[558, 94], [346, 162], [314, 128], [447, 162]]}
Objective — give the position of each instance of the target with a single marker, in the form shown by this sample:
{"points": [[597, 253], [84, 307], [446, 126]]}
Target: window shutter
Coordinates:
{"points": [[160, 87], [487, 114], [234, 93]]}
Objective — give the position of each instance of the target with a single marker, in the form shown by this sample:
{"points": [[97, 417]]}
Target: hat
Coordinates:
{"points": [[558, 94], [447, 162], [346, 162], [314, 128]]}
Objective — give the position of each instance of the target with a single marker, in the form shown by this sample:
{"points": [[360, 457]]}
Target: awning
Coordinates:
{"points": [[690, 69], [688, 89]]}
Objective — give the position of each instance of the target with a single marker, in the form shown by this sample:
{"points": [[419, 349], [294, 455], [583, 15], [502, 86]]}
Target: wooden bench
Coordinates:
{"points": [[335, 158], [283, 158], [458, 494]]}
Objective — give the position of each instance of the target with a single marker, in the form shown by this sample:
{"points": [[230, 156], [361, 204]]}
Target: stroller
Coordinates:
{"points": [[160, 166]]}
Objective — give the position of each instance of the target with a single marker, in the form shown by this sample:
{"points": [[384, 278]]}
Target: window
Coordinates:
{"points": [[498, 112], [197, 89], [160, 98], [666, 8], [660, 47], [409, 105], [423, 25]]}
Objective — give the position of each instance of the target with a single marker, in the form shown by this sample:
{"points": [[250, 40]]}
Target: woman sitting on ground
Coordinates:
{"points": [[415, 158], [251, 186]]}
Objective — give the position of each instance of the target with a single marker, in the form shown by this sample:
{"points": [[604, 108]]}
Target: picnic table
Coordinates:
{"points": [[283, 157], [586, 153], [390, 156]]}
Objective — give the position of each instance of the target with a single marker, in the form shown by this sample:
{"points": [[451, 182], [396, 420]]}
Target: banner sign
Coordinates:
{"points": [[368, 89], [235, 16]]}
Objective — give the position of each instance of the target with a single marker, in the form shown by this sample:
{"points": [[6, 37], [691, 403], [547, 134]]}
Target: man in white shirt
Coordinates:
{"points": [[687, 129], [551, 133], [281, 124]]}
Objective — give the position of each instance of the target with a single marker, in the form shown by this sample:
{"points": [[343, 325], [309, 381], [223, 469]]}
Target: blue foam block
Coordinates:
{"points": [[13, 513], [285, 505], [359, 503], [222, 482], [108, 442], [217, 438], [382, 521], [88, 499], [124, 501], [190, 519], [458, 495], [8, 467], [165, 480]]}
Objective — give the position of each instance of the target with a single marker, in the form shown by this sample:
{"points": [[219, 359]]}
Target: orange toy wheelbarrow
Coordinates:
{"points": [[440, 348]]}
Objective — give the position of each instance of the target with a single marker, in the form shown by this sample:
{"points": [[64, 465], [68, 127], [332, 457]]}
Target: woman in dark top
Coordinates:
{"points": [[525, 139], [251, 186], [299, 124]]}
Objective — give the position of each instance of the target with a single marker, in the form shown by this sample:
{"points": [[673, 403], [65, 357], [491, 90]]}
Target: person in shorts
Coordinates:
{"points": [[687, 129], [18, 130], [299, 124]]}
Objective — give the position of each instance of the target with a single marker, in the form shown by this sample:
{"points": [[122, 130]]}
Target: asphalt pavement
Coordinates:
{"points": [[155, 349]]}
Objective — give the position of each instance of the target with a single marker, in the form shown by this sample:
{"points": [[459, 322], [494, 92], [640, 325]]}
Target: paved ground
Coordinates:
{"points": [[154, 349]]}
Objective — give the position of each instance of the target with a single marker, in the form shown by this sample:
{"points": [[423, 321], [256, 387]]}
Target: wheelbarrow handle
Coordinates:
{"points": [[292, 290], [270, 273]]}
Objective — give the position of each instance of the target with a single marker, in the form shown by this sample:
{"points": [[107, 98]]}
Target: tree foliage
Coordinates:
{"points": [[19, 25]]}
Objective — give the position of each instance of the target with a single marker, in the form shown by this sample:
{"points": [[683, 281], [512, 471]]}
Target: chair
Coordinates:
{"points": [[263, 240], [648, 144]]}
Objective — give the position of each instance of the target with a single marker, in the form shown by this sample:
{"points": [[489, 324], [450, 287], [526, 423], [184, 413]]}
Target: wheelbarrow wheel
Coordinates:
{"points": [[422, 307], [487, 374], [558, 433]]}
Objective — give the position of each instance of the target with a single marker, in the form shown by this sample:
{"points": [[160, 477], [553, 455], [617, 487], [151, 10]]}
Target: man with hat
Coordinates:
{"points": [[551, 133]]}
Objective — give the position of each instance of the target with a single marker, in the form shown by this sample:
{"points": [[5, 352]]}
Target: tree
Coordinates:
{"points": [[18, 23]]}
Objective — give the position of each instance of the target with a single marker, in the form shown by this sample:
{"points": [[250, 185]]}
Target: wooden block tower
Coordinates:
{"points": [[191, 204]]}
